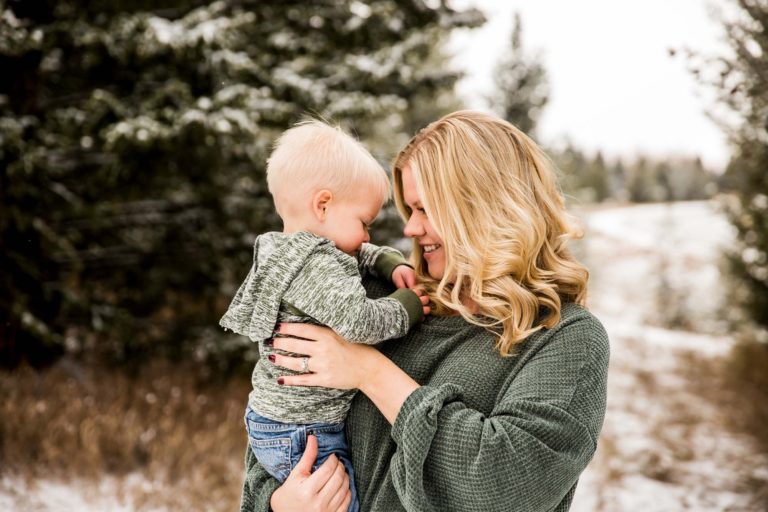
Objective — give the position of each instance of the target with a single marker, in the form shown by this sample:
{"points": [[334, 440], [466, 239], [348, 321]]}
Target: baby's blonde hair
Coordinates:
{"points": [[491, 194], [313, 155]]}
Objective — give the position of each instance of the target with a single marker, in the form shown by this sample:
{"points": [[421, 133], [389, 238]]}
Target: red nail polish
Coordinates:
{"points": [[271, 357], [270, 342], [280, 380]]}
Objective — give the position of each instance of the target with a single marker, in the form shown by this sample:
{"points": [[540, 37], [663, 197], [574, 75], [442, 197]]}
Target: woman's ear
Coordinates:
{"points": [[321, 200]]}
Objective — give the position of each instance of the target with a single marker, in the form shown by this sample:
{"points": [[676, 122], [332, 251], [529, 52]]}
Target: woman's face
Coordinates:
{"points": [[420, 229]]}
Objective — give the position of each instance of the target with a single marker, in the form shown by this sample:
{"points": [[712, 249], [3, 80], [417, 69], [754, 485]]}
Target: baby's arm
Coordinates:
{"points": [[380, 261], [333, 297], [387, 263]]}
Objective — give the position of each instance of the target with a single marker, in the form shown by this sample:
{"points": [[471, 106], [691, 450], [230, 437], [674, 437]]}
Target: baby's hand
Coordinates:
{"points": [[404, 277], [424, 300]]}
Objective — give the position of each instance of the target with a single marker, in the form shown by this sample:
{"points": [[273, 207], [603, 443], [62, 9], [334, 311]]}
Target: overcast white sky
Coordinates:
{"points": [[613, 85]]}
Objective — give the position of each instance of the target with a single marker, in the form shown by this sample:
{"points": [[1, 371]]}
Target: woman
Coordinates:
{"points": [[496, 401]]}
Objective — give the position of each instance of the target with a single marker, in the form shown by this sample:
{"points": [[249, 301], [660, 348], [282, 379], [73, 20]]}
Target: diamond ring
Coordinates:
{"points": [[305, 365]]}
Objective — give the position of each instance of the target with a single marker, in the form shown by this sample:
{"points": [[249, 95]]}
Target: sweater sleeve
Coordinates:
{"points": [[333, 297], [258, 485], [527, 454], [379, 261]]}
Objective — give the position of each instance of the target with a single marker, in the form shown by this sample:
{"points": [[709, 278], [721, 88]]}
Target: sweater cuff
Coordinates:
{"points": [[258, 486], [386, 263], [419, 411], [411, 303]]}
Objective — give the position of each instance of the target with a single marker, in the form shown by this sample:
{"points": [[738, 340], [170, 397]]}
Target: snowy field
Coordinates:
{"points": [[656, 286]]}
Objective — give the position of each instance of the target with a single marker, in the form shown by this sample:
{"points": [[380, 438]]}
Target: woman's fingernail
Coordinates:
{"points": [[280, 381], [271, 357], [277, 327], [270, 342]]}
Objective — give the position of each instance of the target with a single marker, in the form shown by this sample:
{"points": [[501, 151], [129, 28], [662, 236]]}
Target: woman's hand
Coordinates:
{"points": [[333, 362], [325, 490]]}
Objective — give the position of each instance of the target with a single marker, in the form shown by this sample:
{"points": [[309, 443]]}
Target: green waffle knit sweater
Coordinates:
{"points": [[483, 433]]}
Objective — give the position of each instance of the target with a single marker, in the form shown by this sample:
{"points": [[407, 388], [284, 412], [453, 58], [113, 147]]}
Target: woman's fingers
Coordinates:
{"points": [[336, 484], [304, 466], [341, 495], [320, 477], [294, 345], [336, 481], [345, 504], [306, 379], [306, 331], [292, 363]]}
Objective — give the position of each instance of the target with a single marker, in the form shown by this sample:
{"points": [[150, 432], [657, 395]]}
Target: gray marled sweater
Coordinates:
{"points": [[301, 277]]}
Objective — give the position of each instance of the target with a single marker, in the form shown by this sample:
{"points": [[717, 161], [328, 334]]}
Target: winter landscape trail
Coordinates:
{"points": [[657, 287]]}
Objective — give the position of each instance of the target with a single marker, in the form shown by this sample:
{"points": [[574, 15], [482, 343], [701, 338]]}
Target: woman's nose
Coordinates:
{"points": [[413, 228]]}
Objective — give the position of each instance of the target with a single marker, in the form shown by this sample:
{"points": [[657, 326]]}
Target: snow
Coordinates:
{"points": [[664, 446], [111, 493]]}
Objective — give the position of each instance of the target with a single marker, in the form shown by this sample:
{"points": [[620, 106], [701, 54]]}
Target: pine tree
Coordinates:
{"points": [[521, 88], [641, 184], [133, 138], [598, 180], [617, 180], [741, 82], [572, 163]]}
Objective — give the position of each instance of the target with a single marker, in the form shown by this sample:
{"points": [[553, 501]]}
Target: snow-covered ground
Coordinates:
{"points": [[656, 286], [77, 495]]}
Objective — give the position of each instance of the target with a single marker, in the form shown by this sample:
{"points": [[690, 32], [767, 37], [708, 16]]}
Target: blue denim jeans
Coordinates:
{"points": [[279, 446]]}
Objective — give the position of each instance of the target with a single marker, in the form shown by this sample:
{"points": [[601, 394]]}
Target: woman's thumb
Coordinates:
{"points": [[308, 458]]}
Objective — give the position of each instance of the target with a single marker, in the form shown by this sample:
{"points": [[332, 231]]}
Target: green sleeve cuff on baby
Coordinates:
{"points": [[386, 263], [412, 304]]}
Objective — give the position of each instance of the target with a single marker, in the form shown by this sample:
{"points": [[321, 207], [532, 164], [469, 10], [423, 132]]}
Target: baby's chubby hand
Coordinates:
{"points": [[424, 300], [404, 277]]}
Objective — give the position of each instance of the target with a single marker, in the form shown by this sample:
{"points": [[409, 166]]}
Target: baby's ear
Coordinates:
{"points": [[321, 200]]}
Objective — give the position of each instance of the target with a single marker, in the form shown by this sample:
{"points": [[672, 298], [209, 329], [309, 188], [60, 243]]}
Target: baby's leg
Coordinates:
{"points": [[273, 443], [331, 439]]}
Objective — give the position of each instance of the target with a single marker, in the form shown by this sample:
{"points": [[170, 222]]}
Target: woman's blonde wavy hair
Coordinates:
{"points": [[491, 193]]}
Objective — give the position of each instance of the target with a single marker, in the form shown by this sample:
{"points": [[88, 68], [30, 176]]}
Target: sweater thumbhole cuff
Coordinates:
{"points": [[386, 263], [411, 303], [421, 408]]}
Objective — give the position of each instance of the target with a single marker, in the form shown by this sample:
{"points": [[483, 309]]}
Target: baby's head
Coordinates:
{"points": [[325, 182]]}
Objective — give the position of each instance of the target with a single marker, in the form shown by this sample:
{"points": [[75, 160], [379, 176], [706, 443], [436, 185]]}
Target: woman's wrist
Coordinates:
{"points": [[368, 366], [385, 384]]}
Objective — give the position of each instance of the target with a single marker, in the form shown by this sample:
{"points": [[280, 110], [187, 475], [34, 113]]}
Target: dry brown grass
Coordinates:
{"points": [[739, 386], [746, 374], [164, 423]]}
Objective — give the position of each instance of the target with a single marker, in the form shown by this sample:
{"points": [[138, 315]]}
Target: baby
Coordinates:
{"points": [[327, 189]]}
